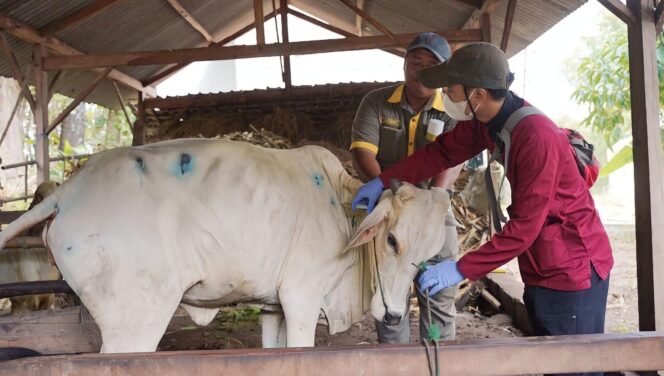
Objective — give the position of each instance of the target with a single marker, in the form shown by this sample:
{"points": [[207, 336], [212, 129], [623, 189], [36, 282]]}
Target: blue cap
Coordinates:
{"points": [[433, 43]]}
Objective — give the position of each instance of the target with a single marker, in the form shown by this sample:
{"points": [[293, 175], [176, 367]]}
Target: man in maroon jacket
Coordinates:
{"points": [[563, 250]]}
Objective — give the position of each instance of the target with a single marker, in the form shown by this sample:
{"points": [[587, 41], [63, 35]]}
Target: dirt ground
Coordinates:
{"points": [[240, 328]]}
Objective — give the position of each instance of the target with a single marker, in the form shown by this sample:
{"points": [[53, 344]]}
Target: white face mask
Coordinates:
{"points": [[457, 110]]}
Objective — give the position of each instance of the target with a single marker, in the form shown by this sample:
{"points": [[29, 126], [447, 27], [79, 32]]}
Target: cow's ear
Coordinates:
{"points": [[370, 225]]}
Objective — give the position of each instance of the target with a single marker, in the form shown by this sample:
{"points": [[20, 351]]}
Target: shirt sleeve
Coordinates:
{"points": [[366, 127], [448, 150], [537, 176]]}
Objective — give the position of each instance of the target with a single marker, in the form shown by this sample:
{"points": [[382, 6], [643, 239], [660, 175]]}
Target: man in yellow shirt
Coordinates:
{"points": [[390, 124]]}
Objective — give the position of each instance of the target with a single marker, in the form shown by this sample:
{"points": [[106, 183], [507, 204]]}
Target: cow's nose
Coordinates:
{"points": [[391, 320]]}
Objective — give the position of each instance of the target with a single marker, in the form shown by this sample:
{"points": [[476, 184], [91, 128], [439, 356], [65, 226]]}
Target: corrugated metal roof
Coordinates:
{"points": [[131, 25]]}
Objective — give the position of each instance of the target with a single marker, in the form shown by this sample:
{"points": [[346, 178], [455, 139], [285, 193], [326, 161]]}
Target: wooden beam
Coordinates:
{"points": [[369, 19], [156, 78], [54, 80], [473, 21], [494, 356], [485, 22], [77, 17], [648, 165], [472, 3], [79, 98], [41, 114], [659, 17], [191, 20], [32, 36], [258, 23], [16, 70], [337, 30], [10, 290], [358, 19], [24, 86], [509, 17], [283, 9], [620, 10], [240, 52], [138, 130], [122, 103]]}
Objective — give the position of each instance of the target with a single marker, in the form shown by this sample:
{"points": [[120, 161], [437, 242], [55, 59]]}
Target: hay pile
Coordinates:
{"points": [[476, 229], [260, 137]]}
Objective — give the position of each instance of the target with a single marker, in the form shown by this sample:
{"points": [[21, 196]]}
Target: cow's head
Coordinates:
{"points": [[408, 228]]}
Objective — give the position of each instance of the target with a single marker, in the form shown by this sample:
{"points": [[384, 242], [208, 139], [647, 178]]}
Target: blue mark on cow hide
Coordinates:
{"points": [[319, 180], [140, 163], [184, 165]]}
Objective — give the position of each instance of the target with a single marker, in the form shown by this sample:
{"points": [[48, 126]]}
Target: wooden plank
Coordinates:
{"points": [[10, 216], [648, 165], [334, 29], [122, 104], [52, 338], [473, 21], [358, 19], [9, 290], [258, 22], [16, 70], [167, 72], [69, 315], [283, 9], [77, 17], [504, 356], [241, 52], [485, 22], [31, 35], [79, 98], [41, 114], [191, 20], [473, 3], [509, 17], [369, 19], [620, 10]]}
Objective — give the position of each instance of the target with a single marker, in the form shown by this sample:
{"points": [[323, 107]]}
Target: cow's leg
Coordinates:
{"points": [[273, 328], [301, 314]]}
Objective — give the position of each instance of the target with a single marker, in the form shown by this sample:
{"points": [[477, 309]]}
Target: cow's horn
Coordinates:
{"points": [[395, 184]]}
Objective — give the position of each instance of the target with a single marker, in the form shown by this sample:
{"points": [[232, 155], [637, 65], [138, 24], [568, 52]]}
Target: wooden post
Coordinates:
{"points": [[509, 16], [283, 9], [259, 24], [138, 130], [648, 165], [41, 115], [485, 22]]}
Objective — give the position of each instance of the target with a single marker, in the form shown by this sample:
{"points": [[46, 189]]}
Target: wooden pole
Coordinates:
{"points": [[485, 22], [20, 96], [358, 18], [659, 17], [648, 165], [79, 98], [620, 10], [77, 17], [16, 70], [283, 9], [191, 20], [258, 23], [188, 55], [509, 17], [54, 80], [10, 290], [138, 130], [41, 114]]}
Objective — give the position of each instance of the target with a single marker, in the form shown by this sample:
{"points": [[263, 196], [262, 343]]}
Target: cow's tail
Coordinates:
{"points": [[42, 211], [9, 353]]}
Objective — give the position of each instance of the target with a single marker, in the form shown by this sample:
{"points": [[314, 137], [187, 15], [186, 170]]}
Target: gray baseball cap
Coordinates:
{"points": [[432, 42], [480, 65]]}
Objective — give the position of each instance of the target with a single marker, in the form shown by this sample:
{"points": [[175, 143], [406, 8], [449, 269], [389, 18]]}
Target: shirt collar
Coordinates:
{"points": [[436, 102], [512, 103]]}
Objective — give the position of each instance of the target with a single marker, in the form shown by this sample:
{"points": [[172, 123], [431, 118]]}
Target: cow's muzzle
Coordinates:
{"points": [[391, 320]]}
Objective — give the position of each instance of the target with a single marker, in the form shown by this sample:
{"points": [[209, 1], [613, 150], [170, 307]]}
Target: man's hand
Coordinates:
{"points": [[439, 276], [368, 194]]}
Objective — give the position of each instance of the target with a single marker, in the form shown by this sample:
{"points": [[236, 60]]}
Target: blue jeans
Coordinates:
{"points": [[555, 312]]}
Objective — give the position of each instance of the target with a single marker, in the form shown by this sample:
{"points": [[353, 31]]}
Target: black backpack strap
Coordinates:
{"points": [[504, 138]]}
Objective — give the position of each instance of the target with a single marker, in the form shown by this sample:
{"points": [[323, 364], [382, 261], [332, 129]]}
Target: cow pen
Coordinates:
{"points": [[45, 39]]}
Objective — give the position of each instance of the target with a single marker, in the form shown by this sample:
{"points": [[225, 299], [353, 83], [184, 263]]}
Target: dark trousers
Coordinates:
{"points": [[555, 312]]}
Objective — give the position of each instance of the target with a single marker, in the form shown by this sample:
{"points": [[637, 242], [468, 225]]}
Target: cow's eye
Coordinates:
{"points": [[392, 241]]}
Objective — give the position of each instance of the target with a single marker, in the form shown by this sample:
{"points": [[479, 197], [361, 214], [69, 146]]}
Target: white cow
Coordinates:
{"points": [[204, 223]]}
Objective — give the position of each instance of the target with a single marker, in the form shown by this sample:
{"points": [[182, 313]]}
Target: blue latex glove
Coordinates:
{"points": [[368, 194], [439, 276]]}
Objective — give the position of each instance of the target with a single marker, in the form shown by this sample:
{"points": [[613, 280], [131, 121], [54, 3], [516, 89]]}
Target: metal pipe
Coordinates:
{"points": [[56, 159], [10, 290]]}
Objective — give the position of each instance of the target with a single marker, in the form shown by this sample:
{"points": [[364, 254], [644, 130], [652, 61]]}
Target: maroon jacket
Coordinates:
{"points": [[554, 228]]}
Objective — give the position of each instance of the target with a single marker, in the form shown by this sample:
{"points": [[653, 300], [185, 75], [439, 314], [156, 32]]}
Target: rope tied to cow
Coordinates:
{"points": [[433, 333]]}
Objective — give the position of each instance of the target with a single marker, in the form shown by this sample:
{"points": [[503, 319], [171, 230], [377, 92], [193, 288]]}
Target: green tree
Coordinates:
{"points": [[601, 76]]}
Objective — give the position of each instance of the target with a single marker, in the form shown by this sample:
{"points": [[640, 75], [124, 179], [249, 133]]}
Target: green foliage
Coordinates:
{"points": [[602, 80]]}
